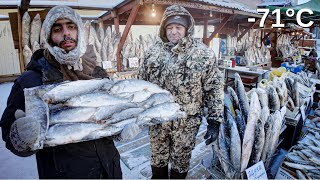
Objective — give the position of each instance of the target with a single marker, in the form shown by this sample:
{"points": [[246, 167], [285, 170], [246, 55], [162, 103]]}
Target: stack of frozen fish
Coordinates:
{"points": [[303, 160], [90, 109], [249, 132], [284, 47]]}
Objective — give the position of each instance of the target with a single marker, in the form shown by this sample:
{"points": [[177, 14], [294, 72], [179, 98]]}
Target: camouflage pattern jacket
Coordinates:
{"points": [[187, 70]]}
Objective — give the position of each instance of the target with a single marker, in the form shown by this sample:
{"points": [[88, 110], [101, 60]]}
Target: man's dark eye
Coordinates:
{"points": [[56, 29], [72, 26]]}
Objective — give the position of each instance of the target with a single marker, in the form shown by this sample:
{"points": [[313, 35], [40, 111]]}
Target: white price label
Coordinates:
{"points": [[257, 171], [133, 62], [106, 65]]}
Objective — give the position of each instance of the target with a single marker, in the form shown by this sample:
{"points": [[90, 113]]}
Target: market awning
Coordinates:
{"points": [[313, 5]]}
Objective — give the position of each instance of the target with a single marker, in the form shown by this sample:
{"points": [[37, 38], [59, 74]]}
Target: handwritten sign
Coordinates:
{"points": [[257, 171], [133, 62], [106, 65]]}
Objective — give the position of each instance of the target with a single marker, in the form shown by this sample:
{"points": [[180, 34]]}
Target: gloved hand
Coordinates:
{"points": [[24, 132], [212, 132]]}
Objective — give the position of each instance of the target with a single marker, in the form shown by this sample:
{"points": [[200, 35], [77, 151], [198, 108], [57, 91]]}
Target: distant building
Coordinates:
{"points": [[278, 3]]}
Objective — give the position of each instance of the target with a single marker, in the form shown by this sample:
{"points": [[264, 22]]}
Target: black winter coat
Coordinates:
{"points": [[90, 159]]}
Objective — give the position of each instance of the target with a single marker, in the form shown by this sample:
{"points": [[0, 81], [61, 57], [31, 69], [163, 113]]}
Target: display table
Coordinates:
{"points": [[253, 76]]}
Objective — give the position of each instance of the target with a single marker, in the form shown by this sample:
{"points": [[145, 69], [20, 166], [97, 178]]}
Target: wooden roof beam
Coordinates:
{"points": [[218, 28], [120, 10], [247, 30]]}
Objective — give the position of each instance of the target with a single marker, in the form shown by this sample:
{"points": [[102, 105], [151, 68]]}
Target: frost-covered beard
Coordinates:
{"points": [[71, 58]]}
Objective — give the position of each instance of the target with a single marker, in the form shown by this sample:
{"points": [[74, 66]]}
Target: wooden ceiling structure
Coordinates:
{"points": [[227, 20]]}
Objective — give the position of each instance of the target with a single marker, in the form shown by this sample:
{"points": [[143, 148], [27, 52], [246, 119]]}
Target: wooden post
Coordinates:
{"points": [[133, 13], [21, 58], [205, 30], [217, 29], [21, 10], [116, 24]]}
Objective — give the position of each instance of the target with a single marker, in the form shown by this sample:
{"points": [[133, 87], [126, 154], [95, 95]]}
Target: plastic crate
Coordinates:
{"points": [[293, 69]]}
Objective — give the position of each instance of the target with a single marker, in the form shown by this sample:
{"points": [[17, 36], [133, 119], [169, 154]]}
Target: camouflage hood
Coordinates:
{"points": [[172, 11], [71, 58]]}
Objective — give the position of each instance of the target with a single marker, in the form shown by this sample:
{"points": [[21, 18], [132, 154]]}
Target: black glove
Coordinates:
{"points": [[212, 132]]}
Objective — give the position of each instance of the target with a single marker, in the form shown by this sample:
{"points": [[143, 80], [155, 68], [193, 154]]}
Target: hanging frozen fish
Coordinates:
{"points": [[100, 33], [35, 46], [243, 99], [26, 20], [65, 91], [35, 30], [27, 54]]}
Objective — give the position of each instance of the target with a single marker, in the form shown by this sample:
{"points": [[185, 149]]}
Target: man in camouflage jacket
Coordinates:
{"points": [[185, 67]]}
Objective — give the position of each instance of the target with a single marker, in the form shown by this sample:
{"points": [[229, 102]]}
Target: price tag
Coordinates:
{"points": [[257, 171], [106, 65], [133, 62]]}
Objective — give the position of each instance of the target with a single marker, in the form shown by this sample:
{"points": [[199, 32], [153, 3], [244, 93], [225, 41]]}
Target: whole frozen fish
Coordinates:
{"points": [[67, 133], [235, 146], [35, 30], [138, 96], [259, 138], [254, 114], [276, 128], [241, 124], [263, 97], [65, 91], [26, 29], [224, 151], [274, 102], [105, 112], [134, 85], [73, 114], [124, 114], [95, 99], [300, 166], [268, 135], [234, 97], [161, 113], [156, 99], [243, 99]]}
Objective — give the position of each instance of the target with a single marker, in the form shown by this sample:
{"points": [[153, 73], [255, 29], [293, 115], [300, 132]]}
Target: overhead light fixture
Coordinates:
{"points": [[210, 13], [153, 11]]}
